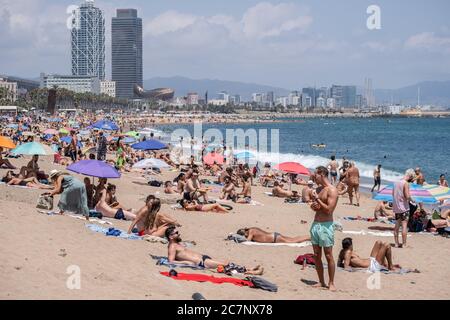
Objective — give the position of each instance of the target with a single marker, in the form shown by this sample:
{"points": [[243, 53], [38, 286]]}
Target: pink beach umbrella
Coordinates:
{"points": [[212, 157]]}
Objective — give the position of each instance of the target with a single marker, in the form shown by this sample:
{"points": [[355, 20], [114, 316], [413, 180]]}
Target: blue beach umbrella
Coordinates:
{"points": [[420, 193], [149, 145], [105, 125], [68, 139], [244, 155], [32, 148]]}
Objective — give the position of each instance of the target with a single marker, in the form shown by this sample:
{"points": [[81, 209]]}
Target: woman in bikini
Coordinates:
{"points": [[150, 221], [12, 180], [194, 206]]}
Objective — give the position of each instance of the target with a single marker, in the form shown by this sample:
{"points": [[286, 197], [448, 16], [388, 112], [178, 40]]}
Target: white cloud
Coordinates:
{"points": [[169, 21], [268, 20], [429, 41]]}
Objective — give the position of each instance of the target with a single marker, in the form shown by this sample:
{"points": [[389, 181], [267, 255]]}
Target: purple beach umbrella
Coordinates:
{"points": [[94, 168]]}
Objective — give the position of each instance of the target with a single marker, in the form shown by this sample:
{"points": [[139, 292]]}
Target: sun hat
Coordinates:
{"points": [[54, 173]]}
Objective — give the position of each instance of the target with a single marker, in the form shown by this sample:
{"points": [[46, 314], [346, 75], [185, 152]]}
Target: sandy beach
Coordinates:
{"points": [[37, 250]]}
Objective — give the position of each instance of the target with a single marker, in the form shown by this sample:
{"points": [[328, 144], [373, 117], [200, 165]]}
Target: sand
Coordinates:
{"points": [[37, 250]]}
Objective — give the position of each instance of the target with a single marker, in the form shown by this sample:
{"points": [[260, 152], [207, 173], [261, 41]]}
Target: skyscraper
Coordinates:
{"points": [[344, 96], [88, 41], [127, 70]]}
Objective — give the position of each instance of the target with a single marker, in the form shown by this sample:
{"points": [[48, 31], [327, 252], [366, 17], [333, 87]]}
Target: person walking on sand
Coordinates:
{"points": [[333, 167], [322, 229], [401, 198], [353, 183], [377, 178]]}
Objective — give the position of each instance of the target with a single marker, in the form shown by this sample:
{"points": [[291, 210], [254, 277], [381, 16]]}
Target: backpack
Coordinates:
{"points": [[261, 283], [308, 257], [155, 183]]}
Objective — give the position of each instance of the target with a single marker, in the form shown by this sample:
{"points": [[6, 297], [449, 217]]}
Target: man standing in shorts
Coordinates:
{"points": [[322, 230], [333, 166], [401, 198]]}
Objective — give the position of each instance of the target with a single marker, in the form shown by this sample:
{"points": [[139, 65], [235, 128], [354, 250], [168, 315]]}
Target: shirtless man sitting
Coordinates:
{"points": [[280, 192], [381, 210], [258, 235], [307, 192], [380, 257], [228, 190], [180, 254]]}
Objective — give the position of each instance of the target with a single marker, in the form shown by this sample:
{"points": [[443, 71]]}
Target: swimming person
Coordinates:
{"points": [[322, 229], [261, 236]]}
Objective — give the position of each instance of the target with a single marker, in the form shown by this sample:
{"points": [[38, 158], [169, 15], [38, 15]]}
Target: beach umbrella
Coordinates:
{"points": [[244, 155], [51, 131], [12, 126], [6, 143], [32, 148], [429, 193], [94, 168], [292, 167], [105, 125], [28, 133], [149, 145], [132, 134], [151, 163], [68, 140], [85, 132], [128, 140], [212, 157], [63, 131]]}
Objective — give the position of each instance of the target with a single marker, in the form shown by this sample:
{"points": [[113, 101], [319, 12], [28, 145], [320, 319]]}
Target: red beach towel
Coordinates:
{"points": [[207, 278]]}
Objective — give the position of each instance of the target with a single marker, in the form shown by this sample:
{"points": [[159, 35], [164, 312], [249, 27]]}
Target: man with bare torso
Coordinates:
{"points": [[333, 167], [353, 183], [307, 192], [261, 236], [322, 229], [177, 253]]}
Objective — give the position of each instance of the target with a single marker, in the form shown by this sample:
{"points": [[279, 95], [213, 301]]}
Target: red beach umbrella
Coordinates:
{"points": [[292, 167], [212, 157]]}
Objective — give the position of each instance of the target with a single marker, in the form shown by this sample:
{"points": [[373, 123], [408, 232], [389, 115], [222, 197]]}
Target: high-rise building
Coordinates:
{"points": [[88, 41], [368, 94], [312, 94], [192, 98], [11, 89], [127, 68], [344, 96]]}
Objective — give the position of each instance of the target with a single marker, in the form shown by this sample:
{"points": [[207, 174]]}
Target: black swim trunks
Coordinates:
{"points": [[187, 196], [402, 216], [275, 236], [119, 215], [202, 263]]}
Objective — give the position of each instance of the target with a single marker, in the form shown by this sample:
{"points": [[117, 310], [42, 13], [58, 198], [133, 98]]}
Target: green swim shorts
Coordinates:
{"points": [[322, 234]]}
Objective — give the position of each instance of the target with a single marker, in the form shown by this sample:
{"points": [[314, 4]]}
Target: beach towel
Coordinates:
{"points": [[366, 270], [90, 219], [270, 194], [242, 240], [358, 218], [155, 239], [207, 278], [371, 233], [113, 232], [164, 261]]}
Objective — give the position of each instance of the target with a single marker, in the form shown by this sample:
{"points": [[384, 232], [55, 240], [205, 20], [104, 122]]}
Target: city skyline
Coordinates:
{"points": [[296, 45]]}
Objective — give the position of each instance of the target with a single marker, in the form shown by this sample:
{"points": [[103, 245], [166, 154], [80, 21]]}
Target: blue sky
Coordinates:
{"points": [[289, 44]]}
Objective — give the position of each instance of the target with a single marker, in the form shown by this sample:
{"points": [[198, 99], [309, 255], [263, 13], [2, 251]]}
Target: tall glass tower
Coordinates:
{"points": [[126, 52], [88, 41]]}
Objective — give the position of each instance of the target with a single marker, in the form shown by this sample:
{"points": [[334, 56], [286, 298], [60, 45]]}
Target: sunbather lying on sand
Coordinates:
{"points": [[195, 206], [381, 210], [180, 254], [258, 235], [380, 257], [150, 221], [12, 180], [280, 192]]}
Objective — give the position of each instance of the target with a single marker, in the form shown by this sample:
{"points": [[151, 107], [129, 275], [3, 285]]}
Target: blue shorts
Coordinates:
{"points": [[322, 234]]}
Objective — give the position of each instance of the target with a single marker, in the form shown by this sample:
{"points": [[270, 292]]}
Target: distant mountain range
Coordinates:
{"points": [[431, 92]]}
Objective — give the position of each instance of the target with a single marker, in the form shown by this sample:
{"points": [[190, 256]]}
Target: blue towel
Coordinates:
{"points": [[113, 232], [163, 261]]}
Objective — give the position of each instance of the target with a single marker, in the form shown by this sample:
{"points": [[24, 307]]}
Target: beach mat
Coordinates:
{"points": [[105, 231], [208, 278]]}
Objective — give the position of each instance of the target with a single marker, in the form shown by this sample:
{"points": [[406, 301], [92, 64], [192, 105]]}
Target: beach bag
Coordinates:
{"points": [[308, 257], [155, 183], [261, 283], [45, 202]]}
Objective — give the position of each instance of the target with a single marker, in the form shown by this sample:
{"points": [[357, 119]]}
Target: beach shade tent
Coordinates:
{"points": [[244, 155], [94, 168], [429, 193], [129, 140], [149, 145], [212, 157], [104, 125], [6, 143], [51, 131], [132, 134], [32, 148], [292, 167], [151, 163]]}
